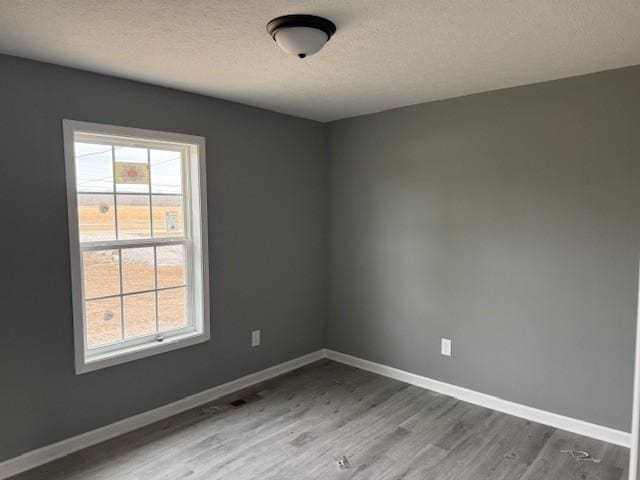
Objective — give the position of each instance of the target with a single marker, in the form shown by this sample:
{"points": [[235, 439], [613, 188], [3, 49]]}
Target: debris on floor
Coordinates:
{"points": [[212, 409], [343, 463], [581, 455], [337, 381]]}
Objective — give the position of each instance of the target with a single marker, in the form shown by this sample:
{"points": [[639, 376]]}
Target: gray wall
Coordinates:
{"points": [[507, 221], [266, 201]]}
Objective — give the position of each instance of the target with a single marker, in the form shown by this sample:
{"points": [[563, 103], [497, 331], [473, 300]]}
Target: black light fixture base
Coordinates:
{"points": [[310, 21]]}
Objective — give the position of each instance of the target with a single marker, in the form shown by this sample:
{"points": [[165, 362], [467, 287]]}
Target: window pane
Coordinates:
{"points": [[171, 309], [132, 170], [170, 262], [166, 171], [96, 217], [133, 217], [168, 216], [137, 269], [139, 314], [94, 167], [101, 273], [103, 321]]}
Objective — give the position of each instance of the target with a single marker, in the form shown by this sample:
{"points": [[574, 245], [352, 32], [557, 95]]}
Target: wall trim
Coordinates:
{"points": [[48, 453], [634, 457], [561, 422]]}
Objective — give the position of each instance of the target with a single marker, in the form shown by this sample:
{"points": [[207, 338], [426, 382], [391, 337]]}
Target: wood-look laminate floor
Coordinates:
{"points": [[297, 427]]}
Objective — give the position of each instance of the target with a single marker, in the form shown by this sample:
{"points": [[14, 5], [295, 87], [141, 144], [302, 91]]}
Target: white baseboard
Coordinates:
{"points": [[561, 422], [57, 450], [54, 451]]}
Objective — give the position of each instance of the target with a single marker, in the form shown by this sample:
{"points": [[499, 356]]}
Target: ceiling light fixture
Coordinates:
{"points": [[301, 35]]}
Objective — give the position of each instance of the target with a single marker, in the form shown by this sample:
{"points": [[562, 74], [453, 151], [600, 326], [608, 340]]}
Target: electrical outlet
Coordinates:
{"points": [[255, 338], [445, 347]]}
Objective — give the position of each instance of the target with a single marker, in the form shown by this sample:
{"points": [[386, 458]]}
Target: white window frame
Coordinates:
{"points": [[196, 248]]}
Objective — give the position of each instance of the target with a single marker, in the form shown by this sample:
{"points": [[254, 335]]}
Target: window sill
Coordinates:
{"points": [[128, 354]]}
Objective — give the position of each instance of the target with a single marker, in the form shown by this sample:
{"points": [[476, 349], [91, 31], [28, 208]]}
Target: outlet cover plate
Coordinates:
{"points": [[445, 347], [255, 338]]}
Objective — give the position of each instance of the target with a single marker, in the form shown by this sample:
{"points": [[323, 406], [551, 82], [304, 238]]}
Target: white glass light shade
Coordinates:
{"points": [[301, 41]]}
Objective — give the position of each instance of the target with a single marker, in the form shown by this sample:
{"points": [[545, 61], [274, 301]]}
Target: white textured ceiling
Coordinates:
{"points": [[385, 54]]}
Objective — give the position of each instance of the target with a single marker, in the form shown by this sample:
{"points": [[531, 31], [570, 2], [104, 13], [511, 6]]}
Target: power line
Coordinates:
{"points": [[97, 153]]}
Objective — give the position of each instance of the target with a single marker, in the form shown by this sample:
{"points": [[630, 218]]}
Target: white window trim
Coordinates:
{"points": [[200, 289]]}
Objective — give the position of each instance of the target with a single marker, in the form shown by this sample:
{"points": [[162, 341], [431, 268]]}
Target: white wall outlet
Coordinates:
{"points": [[255, 338], [445, 347]]}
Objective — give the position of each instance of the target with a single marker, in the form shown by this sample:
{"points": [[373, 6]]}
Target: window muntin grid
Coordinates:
{"points": [[134, 225]]}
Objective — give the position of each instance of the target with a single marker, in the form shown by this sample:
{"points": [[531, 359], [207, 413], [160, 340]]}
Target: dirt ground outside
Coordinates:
{"points": [[132, 314]]}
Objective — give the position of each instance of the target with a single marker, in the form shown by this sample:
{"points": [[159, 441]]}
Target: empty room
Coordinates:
{"points": [[324, 239]]}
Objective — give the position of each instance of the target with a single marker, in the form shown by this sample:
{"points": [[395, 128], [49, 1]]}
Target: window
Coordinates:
{"points": [[138, 233]]}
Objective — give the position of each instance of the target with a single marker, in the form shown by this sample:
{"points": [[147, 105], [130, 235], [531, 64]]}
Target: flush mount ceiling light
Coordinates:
{"points": [[301, 35]]}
